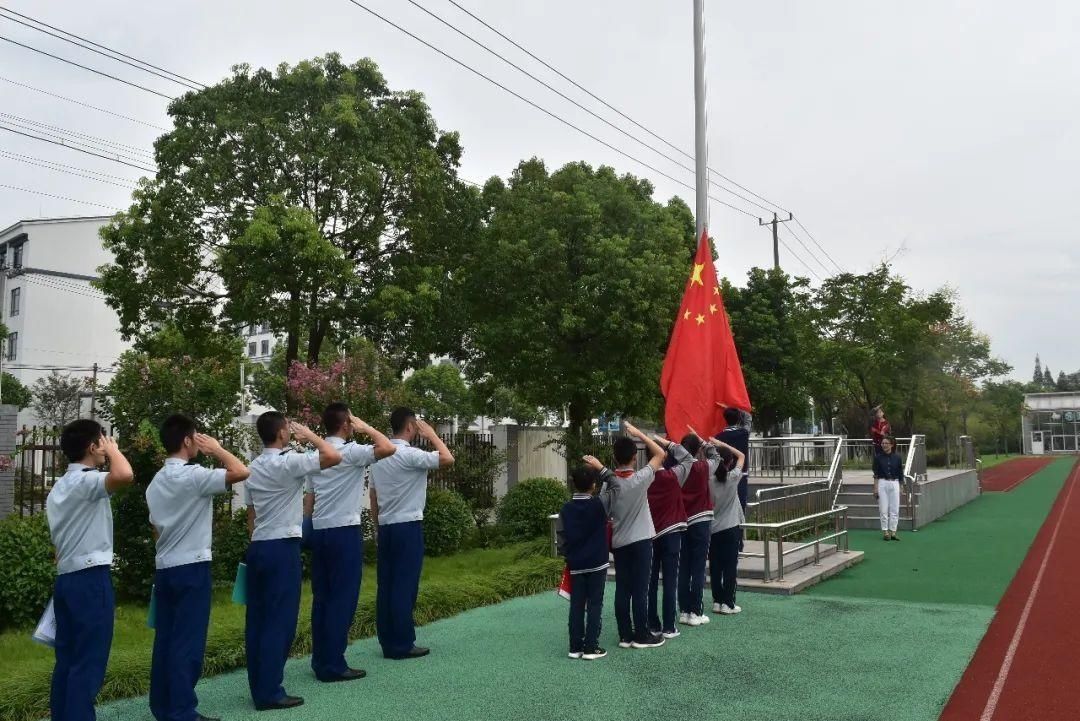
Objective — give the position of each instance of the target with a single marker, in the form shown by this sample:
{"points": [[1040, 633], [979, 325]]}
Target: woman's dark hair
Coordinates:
{"points": [[727, 462], [691, 443]]}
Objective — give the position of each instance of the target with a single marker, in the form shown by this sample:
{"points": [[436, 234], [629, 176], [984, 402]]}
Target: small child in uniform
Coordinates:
{"points": [[726, 527]]}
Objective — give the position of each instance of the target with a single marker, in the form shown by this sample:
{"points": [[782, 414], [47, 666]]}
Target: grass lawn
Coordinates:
{"points": [[993, 459], [449, 586]]}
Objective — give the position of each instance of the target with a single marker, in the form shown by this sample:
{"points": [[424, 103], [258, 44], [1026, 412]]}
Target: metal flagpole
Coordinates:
{"points": [[701, 141]]}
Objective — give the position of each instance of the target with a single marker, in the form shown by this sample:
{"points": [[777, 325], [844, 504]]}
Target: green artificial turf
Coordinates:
{"points": [[806, 658], [968, 556]]}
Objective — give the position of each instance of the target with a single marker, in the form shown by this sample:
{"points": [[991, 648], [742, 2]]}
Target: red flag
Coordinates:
{"points": [[566, 583], [701, 366]]}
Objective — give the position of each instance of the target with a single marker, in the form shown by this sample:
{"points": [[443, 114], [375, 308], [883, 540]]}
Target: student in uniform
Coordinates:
{"points": [[81, 526], [337, 542], [888, 475], [697, 500], [582, 533], [398, 495], [726, 525], [631, 539], [275, 511], [669, 520], [737, 435], [181, 512]]}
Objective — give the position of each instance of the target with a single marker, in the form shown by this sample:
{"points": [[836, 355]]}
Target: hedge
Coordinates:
{"points": [[26, 570], [24, 696], [524, 510], [447, 517]]}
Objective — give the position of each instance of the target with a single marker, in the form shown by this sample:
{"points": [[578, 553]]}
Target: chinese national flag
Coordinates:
{"points": [[701, 367], [566, 583]]}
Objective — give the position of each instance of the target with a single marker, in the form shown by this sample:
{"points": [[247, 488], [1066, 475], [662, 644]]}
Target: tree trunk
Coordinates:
{"points": [[292, 345], [580, 422]]}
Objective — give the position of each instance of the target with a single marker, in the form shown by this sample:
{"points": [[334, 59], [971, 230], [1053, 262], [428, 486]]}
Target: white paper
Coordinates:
{"points": [[45, 633]]}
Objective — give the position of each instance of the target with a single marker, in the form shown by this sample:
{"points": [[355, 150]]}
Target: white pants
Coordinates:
{"points": [[889, 504]]}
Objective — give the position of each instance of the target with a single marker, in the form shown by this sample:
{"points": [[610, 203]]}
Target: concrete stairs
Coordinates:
{"points": [[863, 512]]}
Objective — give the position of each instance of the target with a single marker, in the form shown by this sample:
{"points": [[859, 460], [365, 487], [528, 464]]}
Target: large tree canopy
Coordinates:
{"points": [[572, 287], [312, 198]]}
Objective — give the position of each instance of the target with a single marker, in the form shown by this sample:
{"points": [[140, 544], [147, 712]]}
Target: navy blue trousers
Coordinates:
{"points": [[724, 564], [400, 559], [695, 548], [665, 557], [182, 598], [273, 604], [586, 610], [337, 563], [632, 565], [83, 602]]}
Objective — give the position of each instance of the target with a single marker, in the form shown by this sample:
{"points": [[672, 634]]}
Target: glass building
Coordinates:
{"points": [[1051, 423]]}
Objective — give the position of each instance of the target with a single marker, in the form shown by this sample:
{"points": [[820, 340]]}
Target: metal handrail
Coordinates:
{"points": [[769, 529]]}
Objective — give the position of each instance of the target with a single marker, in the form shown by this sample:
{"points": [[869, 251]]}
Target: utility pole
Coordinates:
{"points": [[93, 394], [775, 223], [701, 140]]}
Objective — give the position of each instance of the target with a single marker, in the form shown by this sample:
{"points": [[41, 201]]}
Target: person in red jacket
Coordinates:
{"points": [[879, 429], [698, 504], [669, 520]]}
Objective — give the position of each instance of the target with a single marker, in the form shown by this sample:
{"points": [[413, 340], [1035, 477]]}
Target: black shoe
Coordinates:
{"points": [[287, 702], [652, 640], [200, 717], [594, 654], [351, 675], [414, 652]]}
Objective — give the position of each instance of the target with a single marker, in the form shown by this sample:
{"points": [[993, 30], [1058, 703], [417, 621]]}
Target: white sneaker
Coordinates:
{"points": [[672, 634], [625, 644], [730, 611], [716, 608], [574, 654], [694, 620], [684, 618], [703, 619]]}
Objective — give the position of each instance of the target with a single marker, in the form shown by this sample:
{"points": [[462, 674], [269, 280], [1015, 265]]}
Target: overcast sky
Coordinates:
{"points": [[939, 132]]}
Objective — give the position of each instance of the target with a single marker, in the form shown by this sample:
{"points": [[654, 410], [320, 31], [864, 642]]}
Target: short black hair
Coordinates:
{"points": [[732, 416], [335, 417], [269, 425], [583, 479], [691, 443], [78, 436], [625, 450], [399, 418], [174, 430]]}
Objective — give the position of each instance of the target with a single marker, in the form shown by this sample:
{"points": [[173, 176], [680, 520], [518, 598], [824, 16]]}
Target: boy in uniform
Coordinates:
{"points": [[181, 512], [669, 520], [81, 526], [632, 536], [697, 500], [337, 542], [275, 514], [398, 496]]}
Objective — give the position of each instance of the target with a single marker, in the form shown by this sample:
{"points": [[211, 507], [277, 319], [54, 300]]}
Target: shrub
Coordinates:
{"points": [[524, 510], [230, 544], [26, 569], [446, 519], [476, 466]]}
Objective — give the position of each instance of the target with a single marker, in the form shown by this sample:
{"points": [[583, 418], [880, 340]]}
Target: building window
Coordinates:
{"points": [[251, 350], [264, 328], [16, 256], [266, 347], [13, 347], [16, 296], [3, 255]]}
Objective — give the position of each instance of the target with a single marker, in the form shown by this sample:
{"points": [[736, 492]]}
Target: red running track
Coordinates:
{"points": [[1025, 666], [1010, 474]]}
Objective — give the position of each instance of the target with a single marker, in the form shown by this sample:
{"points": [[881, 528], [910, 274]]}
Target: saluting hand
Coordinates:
{"points": [[207, 444], [358, 425], [302, 432], [592, 462], [425, 429], [632, 430]]}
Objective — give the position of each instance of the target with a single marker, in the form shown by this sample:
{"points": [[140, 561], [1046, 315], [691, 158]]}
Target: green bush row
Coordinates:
{"points": [[25, 696]]}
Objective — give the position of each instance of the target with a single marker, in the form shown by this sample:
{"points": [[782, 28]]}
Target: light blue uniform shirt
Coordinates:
{"points": [[275, 488], [80, 519], [339, 490], [181, 510], [400, 483]]}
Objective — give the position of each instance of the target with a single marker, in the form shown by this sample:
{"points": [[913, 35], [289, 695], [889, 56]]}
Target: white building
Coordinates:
{"points": [[259, 343], [1051, 423], [55, 318]]}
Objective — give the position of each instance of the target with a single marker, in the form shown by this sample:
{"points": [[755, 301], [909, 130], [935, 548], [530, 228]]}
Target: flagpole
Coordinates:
{"points": [[701, 141]]}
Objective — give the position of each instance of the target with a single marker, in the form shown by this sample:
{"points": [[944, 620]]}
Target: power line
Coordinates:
{"points": [[103, 47], [606, 104], [796, 257], [811, 237], [78, 44], [87, 67], [85, 105], [807, 249], [33, 124], [58, 197], [32, 160], [62, 144], [542, 109], [51, 286], [61, 284], [569, 99], [77, 173]]}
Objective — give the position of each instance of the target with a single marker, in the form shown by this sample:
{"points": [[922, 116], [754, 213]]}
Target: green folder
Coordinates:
{"points": [[151, 613], [239, 589]]}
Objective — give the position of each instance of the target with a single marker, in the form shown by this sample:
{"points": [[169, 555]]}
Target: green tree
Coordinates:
{"points": [[771, 321], [313, 198], [57, 398], [1037, 379], [571, 290], [439, 393], [496, 402], [13, 392], [1002, 408]]}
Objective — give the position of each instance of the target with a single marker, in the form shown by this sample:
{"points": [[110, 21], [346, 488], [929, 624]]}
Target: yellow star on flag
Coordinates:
{"points": [[700, 319], [716, 290], [712, 308], [686, 315], [696, 276]]}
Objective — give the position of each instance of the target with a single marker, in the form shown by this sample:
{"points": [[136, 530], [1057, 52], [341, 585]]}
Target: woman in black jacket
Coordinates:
{"points": [[888, 475]]}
